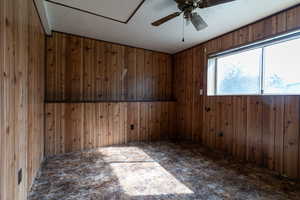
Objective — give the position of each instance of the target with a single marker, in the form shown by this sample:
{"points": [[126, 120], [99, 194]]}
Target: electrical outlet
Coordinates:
{"points": [[201, 92], [19, 176], [131, 127]]}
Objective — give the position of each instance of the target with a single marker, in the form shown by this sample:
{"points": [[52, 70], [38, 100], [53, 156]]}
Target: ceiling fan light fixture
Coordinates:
{"points": [[198, 22], [188, 21]]}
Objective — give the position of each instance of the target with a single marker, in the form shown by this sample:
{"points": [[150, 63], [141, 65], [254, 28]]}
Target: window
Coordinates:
{"points": [[239, 73], [282, 68], [269, 68]]}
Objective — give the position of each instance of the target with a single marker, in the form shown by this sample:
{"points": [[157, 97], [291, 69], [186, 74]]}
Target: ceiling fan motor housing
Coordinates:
{"points": [[187, 6]]}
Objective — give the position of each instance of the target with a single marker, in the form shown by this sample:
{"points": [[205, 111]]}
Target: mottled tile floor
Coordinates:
{"points": [[156, 171]]}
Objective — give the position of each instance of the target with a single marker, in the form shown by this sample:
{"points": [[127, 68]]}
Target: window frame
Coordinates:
{"points": [[256, 45]]}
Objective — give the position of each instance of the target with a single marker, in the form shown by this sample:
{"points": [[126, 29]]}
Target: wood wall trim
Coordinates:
{"points": [[260, 129], [113, 101]]}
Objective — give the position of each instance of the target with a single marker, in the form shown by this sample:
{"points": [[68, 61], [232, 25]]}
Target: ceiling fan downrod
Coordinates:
{"points": [[183, 28]]}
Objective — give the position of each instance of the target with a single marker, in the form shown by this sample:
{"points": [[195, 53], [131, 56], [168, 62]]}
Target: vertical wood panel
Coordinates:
{"points": [[2, 137], [155, 77], [21, 93], [143, 121], [9, 107], [58, 138], [133, 114], [61, 67], [157, 109], [254, 130], [74, 70], [140, 73], [51, 65], [73, 132], [123, 123], [279, 134], [172, 133], [197, 97], [269, 117], [98, 126], [228, 125], [211, 120], [130, 79], [189, 94], [291, 139], [104, 114], [111, 124], [293, 18], [239, 127], [100, 67], [89, 51], [148, 72], [90, 137], [281, 23], [163, 120]]}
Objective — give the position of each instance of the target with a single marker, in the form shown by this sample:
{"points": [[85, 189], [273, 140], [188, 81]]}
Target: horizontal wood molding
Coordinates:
{"points": [[112, 101], [82, 69], [260, 129], [73, 127]]}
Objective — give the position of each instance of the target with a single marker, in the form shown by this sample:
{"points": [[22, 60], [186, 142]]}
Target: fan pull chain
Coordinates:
{"points": [[183, 28]]}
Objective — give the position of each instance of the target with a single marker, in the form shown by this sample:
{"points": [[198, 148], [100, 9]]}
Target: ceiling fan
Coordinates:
{"points": [[188, 8]]}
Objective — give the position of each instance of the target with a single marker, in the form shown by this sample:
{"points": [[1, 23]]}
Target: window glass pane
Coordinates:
{"points": [[239, 73], [211, 77], [282, 68]]}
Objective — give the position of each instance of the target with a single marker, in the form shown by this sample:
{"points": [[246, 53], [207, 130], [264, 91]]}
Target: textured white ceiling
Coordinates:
{"points": [[166, 38]]}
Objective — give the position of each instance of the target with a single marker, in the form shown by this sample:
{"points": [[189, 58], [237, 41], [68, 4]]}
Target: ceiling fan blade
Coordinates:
{"points": [[165, 19], [210, 3], [198, 22]]}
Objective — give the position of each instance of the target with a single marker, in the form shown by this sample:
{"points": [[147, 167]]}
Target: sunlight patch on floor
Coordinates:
{"points": [[139, 175], [124, 154]]}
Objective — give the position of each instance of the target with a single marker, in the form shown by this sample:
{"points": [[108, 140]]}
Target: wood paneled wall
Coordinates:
{"points": [[79, 126], [189, 67], [125, 86], [22, 47], [36, 95], [260, 129], [84, 69]]}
